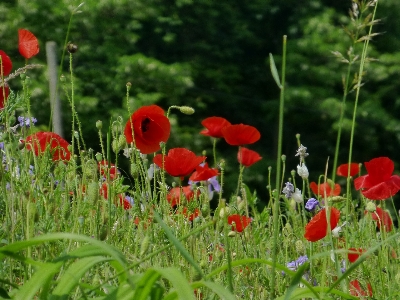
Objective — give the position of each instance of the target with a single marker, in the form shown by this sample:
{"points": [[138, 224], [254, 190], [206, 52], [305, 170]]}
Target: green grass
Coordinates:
{"points": [[61, 238]]}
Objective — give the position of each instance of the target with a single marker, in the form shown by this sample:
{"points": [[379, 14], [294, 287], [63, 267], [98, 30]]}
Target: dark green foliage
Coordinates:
{"points": [[213, 56]]}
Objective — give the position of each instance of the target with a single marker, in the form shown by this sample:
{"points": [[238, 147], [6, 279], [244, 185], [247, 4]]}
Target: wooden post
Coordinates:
{"points": [[53, 80]]}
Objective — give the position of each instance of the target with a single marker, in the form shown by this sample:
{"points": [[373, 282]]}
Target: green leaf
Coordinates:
{"points": [[300, 293], [274, 71], [39, 280], [296, 280], [178, 245], [71, 277], [179, 282], [145, 285]]}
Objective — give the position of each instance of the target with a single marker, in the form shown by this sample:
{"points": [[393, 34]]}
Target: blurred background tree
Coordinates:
{"points": [[213, 56]]}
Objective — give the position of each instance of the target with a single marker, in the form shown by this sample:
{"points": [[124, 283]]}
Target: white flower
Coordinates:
{"points": [[337, 230], [302, 171], [297, 196]]}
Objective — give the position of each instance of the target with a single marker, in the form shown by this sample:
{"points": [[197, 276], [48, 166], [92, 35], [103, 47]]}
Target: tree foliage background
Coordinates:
{"points": [[213, 56]]}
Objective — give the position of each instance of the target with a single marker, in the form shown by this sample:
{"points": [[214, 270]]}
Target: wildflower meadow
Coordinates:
{"points": [[76, 223]]}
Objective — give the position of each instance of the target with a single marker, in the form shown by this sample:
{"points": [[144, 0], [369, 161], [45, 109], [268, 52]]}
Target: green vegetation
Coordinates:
{"points": [[96, 216]]}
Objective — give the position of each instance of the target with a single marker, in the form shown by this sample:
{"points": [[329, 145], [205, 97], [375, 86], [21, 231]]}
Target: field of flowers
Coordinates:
{"points": [[74, 225]]}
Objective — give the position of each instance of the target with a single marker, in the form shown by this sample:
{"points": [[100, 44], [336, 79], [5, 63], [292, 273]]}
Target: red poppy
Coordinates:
{"points": [[317, 228], [120, 199], [325, 187], [356, 290], [239, 223], [354, 254], [343, 169], [191, 216], [179, 162], [58, 146], [379, 183], [382, 217], [28, 44], [214, 126], [247, 157], [175, 194], [103, 168], [147, 127], [4, 92], [6, 64], [125, 202], [240, 134], [203, 173]]}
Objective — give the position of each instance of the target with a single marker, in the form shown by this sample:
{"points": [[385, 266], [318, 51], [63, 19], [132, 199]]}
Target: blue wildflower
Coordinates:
{"points": [[311, 204], [26, 122], [288, 190]]}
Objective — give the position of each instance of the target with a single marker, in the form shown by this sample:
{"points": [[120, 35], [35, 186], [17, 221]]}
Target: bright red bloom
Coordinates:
{"points": [[214, 126], [317, 228], [382, 217], [3, 92], [103, 168], [191, 216], [174, 195], [147, 127], [379, 183], [320, 191], [120, 199], [5, 63], [203, 173], [354, 254], [28, 44], [239, 223], [343, 169], [247, 157], [179, 162], [240, 134], [355, 289], [56, 144]]}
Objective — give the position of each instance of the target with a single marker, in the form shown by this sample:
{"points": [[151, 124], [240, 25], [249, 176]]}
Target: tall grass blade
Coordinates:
{"points": [[178, 244], [274, 71]]}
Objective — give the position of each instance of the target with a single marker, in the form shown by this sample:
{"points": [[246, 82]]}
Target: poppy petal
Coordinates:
{"points": [[240, 134], [343, 169], [28, 44], [6, 63], [4, 92], [247, 157]]}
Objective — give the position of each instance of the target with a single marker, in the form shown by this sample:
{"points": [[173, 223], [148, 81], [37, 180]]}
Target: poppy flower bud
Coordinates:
{"points": [[232, 233], [72, 48], [81, 221], [76, 134], [128, 84], [99, 124], [121, 141], [283, 157], [370, 207], [297, 135], [223, 212], [241, 205], [92, 192], [134, 171], [299, 245], [99, 156], [145, 245], [187, 110], [103, 232], [62, 78], [205, 210]]}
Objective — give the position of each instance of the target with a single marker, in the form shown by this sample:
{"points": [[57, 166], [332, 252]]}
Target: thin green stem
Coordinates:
{"points": [[278, 170]]}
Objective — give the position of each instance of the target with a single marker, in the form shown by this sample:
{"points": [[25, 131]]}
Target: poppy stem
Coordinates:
{"points": [[278, 171]]}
